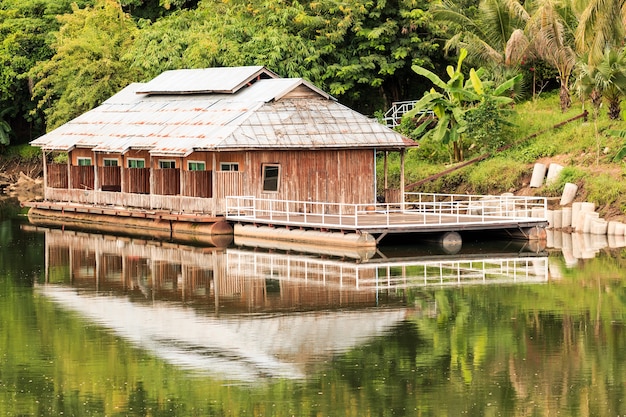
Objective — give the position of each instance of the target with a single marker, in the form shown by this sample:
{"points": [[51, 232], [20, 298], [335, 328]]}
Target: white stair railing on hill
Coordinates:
{"points": [[393, 116]]}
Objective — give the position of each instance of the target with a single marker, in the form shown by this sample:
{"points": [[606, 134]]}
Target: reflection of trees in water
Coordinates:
{"points": [[557, 347], [542, 348]]}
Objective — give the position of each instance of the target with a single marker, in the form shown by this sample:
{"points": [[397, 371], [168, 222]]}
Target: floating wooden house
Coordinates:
{"points": [[174, 148]]}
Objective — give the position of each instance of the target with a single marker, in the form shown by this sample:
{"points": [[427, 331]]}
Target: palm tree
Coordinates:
{"points": [[587, 87], [601, 24], [610, 79], [494, 38], [552, 38]]}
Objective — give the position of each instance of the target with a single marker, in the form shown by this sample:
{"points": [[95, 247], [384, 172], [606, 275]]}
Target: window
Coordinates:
{"points": [[271, 173], [136, 163], [196, 166], [229, 166], [82, 162], [108, 162], [165, 164]]}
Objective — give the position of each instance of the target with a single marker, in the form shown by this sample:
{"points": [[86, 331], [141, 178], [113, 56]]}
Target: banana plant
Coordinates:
{"points": [[456, 97]]}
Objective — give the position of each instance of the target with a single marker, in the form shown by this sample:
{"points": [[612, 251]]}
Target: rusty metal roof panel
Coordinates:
{"points": [[206, 80], [312, 124], [254, 117], [275, 89]]}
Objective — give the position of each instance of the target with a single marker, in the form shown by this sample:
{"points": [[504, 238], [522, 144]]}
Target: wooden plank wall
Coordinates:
{"points": [[166, 181], [197, 183], [57, 176], [341, 176], [82, 177], [110, 178], [137, 180]]}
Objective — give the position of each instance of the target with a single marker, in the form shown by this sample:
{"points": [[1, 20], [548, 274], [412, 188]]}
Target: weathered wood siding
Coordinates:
{"points": [[110, 178], [166, 181], [197, 183], [337, 176], [81, 153], [137, 180], [82, 177], [229, 183], [131, 200], [340, 176], [57, 176]]}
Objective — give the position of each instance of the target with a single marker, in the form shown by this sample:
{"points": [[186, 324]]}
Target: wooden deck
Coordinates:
{"points": [[408, 222], [519, 217], [427, 213], [63, 207]]}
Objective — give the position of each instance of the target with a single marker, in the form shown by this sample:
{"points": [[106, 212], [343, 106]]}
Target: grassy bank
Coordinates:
{"points": [[582, 147]]}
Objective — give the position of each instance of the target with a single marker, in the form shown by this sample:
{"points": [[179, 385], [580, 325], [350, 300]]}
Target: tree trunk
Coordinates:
{"points": [[566, 100], [596, 98], [615, 111], [458, 151]]}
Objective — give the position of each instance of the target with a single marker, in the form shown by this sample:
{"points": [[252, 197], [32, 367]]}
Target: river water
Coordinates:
{"points": [[94, 325]]}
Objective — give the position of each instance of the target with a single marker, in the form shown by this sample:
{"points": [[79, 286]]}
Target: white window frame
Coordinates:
{"points": [[197, 163], [228, 166], [264, 168], [142, 160], [115, 161], [83, 159], [167, 161]]}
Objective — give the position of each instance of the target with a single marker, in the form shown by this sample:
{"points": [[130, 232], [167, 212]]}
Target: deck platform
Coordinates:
{"points": [[421, 213], [321, 223]]}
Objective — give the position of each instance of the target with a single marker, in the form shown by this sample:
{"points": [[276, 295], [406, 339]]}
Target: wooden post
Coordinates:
{"points": [[386, 168], [69, 171], [402, 151], [152, 186], [45, 174], [215, 193], [96, 177], [123, 173], [182, 178]]}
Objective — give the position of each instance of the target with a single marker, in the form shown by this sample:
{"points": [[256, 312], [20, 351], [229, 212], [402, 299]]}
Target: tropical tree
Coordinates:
{"points": [[551, 30], [89, 64], [357, 51], [452, 105], [494, 36], [610, 79], [587, 86], [5, 133], [368, 48], [25, 26], [600, 25]]}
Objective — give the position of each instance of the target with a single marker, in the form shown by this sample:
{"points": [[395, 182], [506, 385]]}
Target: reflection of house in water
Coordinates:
{"points": [[245, 280], [164, 297]]}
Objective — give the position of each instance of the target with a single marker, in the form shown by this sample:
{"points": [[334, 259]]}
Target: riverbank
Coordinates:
{"points": [[21, 180], [587, 149]]}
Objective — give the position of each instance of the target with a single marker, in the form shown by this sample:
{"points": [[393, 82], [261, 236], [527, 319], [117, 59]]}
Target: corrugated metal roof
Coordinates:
{"points": [[205, 80], [255, 117]]}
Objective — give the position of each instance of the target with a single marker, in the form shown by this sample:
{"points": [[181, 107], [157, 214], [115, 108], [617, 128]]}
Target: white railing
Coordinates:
{"points": [[393, 116], [385, 275], [489, 205], [419, 209]]}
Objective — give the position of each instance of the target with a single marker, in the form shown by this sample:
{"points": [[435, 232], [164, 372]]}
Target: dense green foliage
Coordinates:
{"points": [[61, 58], [361, 52]]}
